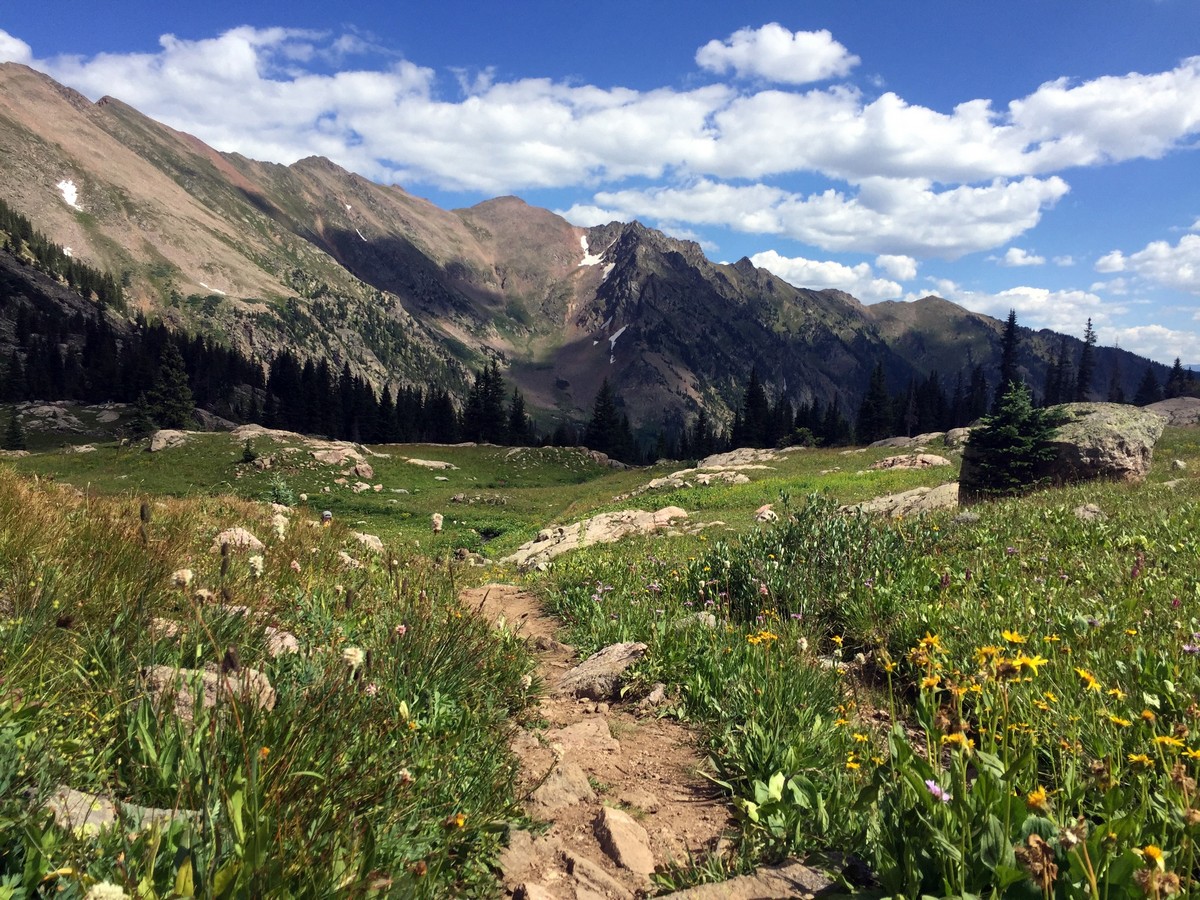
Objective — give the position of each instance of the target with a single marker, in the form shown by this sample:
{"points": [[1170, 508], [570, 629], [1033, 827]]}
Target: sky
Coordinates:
{"points": [[1037, 156]]}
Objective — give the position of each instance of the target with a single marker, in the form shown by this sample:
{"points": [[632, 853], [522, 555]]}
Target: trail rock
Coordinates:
{"points": [[566, 785], [911, 461], [238, 539], [791, 879], [910, 503], [166, 439], [605, 528], [598, 677], [624, 840], [177, 685], [592, 881], [585, 738]]}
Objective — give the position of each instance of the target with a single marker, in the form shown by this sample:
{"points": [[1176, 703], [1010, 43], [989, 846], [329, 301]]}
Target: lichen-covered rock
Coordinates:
{"points": [[167, 438], [1178, 411], [1104, 440], [211, 686], [910, 503], [911, 461], [602, 529]]}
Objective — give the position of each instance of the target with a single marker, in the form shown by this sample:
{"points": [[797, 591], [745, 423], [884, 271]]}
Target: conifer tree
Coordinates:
{"points": [[170, 398], [1009, 449], [14, 434], [1177, 381], [1087, 365], [1009, 374], [875, 413], [1149, 391]]}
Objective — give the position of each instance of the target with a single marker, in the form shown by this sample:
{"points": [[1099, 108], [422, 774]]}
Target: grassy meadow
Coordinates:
{"points": [[1002, 704]]}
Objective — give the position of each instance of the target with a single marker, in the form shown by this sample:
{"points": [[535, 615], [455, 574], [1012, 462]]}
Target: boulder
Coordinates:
{"points": [[280, 642], [364, 470], [1104, 440], [180, 687], [237, 539], [430, 464], [337, 456], [87, 814], [1090, 512], [166, 439], [566, 785], [911, 461], [740, 457], [1178, 411], [599, 676], [605, 528], [910, 503], [370, 541], [956, 438]]}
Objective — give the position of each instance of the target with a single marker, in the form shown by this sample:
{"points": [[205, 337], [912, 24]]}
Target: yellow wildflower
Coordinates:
{"points": [[861, 738], [1148, 715], [930, 682], [1116, 692], [1118, 721], [1141, 760], [837, 640], [1089, 680], [932, 643], [959, 740], [983, 654], [1153, 855], [1049, 695], [1165, 740], [1013, 637], [1192, 754], [1030, 662], [1037, 800]]}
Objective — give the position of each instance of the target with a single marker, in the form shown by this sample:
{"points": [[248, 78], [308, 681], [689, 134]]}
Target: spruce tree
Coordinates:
{"points": [[170, 398], [1006, 454], [875, 413], [603, 429], [14, 434], [1087, 365], [1149, 391], [1177, 381], [1008, 359]]}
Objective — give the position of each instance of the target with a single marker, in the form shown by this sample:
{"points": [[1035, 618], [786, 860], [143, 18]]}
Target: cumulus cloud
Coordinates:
{"points": [[14, 49], [1157, 341], [858, 280], [902, 268], [903, 179], [1111, 262], [886, 216], [1064, 260], [777, 54], [1173, 266], [1015, 257], [1065, 311]]}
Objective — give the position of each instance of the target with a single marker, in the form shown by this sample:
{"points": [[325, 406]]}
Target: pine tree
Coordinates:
{"points": [[1149, 391], [875, 413], [1116, 393], [603, 429], [170, 398], [520, 429], [1009, 374], [14, 434], [1006, 454], [1177, 381], [1087, 365]]}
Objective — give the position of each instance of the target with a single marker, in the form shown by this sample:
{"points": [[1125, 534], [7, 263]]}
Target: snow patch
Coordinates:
{"points": [[611, 359], [67, 251], [607, 271], [207, 288], [360, 234], [612, 341], [347, 207], [588, 258], [70, 193]]}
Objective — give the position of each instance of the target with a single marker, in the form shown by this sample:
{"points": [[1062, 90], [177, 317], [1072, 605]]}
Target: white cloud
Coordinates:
{"points": [[1176, 266], [816, 275], [902, 268], [886, 216], [1157, 342], [1064, 260], [1111, 262], [777, 54], [14, 49], [1065, 311], [1016, 257]]}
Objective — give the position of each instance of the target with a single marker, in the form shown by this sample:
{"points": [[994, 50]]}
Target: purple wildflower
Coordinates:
{"points": [[939, 793]]}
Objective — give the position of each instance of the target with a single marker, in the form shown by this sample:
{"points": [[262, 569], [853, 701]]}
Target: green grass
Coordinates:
{"points": [[854, 662]]}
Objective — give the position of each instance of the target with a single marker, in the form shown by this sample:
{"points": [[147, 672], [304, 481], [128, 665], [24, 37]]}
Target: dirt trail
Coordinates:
{"points": [[619, 787]]}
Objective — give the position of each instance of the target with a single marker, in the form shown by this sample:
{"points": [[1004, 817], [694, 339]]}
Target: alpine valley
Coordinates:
{"points": [[260, 257]]}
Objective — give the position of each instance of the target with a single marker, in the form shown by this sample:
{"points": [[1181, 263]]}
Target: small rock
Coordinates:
{"points": [[348, 561], [592, 881], [1090, 512], [167, 438], [245, 685], [966, 518], [279, 523], [238, 539], [280, 642], [598, 677], [1178, 465], [639, 798], [370, 541], [360, 486], [566, 785], [164, 629], [656, 697], [364, 470], [911, 461], [624, 840], [790, 879], [766, 514], [440, 478]]}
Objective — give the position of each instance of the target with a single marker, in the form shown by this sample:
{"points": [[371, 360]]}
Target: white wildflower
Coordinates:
{"points": [[354, 656], [256, 565], [182, 577], [106, 890]]}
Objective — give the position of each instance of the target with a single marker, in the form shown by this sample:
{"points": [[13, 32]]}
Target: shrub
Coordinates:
{"points": [[1007, 453]]}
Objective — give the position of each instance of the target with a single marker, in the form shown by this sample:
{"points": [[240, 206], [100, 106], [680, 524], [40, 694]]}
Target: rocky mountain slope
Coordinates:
{"points": [[324, 262]]}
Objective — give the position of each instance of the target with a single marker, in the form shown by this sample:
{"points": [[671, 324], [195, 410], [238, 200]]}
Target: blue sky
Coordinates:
{"points": [[1032, 155]]}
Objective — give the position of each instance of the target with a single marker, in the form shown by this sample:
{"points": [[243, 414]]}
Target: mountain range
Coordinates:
{"points": [[316, 259]]}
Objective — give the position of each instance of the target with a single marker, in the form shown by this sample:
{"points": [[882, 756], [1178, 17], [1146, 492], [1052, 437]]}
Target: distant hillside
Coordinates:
{"points": [[323, 264]]}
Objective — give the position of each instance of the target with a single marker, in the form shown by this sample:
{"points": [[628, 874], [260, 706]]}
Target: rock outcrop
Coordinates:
{"points": [[599, 676], [911, 461], [1178, 411], [605, 528], [910, 503]]}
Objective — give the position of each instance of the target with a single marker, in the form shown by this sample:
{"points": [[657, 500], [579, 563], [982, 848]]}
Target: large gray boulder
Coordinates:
{"points": [[1110, 441], [1177, 411], [1104, 440]]}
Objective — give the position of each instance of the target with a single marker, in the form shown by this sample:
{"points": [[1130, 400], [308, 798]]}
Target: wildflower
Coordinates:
{"points": [[1192, 754], [1030, 662], [256, 565], [1013, 637], [458, 820], [852, 762], [1037, 858], [1037, 800], [372, 689], [1140, 760], [1165, 740], [1073, 835], [263, 753], [1191, 649], [296, 566], [106, 890], [406, 777], [861, 738], [1153, 855], [837, 640], [1049, 695], [1148, 715], [1089, 680], [354, 656], [959, 740], [1117, 692], [400, 630], [986, 654], [931, 643], [939, 793], [1118, 721], [930, 682]]}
